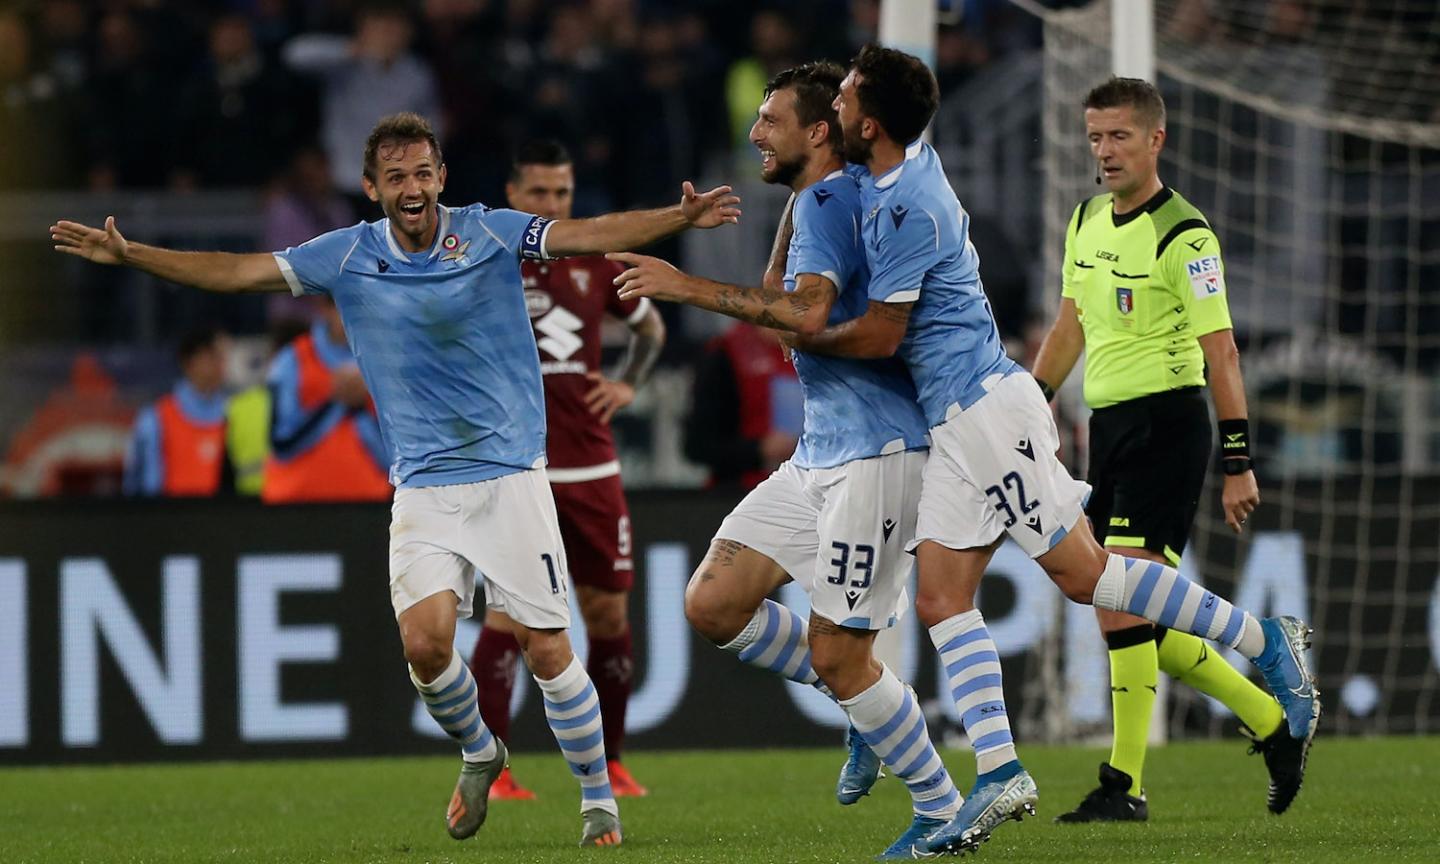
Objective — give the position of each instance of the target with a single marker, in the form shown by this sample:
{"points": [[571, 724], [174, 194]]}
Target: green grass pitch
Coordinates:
{"points": [[1364, 800]]}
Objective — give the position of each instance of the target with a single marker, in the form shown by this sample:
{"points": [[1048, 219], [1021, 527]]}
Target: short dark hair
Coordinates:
{"points": [[196, 340], [538, 151], [815, 85], [1139, 94], [897, 89], [402, 128]]}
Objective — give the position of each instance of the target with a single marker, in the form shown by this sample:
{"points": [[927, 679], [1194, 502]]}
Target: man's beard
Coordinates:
{"points": [[857, 149], [785, 172]]}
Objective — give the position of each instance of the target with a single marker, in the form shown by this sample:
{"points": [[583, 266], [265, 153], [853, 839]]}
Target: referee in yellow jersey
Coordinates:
{"points": [[1143, 296]]}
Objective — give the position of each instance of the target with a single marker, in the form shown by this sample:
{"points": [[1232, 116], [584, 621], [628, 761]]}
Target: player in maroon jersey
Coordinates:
{"points": [[567, 300]]}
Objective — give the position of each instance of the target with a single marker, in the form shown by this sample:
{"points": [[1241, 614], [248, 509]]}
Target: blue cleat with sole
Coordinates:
{"points": [[1287, 673], [861, 770], [986, 808], [912, 844]]}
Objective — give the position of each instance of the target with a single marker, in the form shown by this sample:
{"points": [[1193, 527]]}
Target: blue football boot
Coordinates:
{"points": [[985, 809], [861, 770], [912, 843], [1287, 673]]}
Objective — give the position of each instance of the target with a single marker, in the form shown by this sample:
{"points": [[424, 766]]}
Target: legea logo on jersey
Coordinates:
{"points": [[1206, 279]]}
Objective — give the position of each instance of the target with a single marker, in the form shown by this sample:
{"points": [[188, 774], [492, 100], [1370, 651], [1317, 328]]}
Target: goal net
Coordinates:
{"points": [[1308, 132]]}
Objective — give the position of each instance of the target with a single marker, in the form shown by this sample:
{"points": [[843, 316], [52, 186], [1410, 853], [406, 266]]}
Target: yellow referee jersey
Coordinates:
{"points": [[1146, 285]]}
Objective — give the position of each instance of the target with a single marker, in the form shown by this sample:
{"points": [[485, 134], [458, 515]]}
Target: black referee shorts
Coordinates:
{"points": [[1148, 459]]}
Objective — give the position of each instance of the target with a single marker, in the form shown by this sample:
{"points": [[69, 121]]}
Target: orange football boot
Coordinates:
{"points": [[506, 789], [621, 783]]}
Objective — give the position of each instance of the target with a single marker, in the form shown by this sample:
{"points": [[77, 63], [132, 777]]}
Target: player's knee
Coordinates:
{"points": [[547, 652], [709, 613], [605, 614], [932, 607], [427, 655], [830, 664]]}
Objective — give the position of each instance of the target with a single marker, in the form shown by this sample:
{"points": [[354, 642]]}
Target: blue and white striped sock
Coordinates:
{"points": [[1160, 594], [451, 700], [573, 711], [973, 666], [777, 640], [887, 716]]}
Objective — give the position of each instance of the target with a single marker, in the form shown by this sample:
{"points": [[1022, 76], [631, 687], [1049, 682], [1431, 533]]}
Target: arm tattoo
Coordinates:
{"points": [[894, 313], [723, 552]]}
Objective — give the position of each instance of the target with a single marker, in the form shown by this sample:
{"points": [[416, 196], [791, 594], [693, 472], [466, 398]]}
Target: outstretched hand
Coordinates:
{"points": [[649, 277], [106, 246], [710, 209]]}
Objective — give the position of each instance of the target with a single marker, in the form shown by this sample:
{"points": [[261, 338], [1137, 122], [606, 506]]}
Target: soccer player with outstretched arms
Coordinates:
{"points": [[434, 311]]}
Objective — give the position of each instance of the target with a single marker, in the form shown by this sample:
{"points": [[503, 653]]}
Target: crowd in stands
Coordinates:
{"points": [[114, 96]]}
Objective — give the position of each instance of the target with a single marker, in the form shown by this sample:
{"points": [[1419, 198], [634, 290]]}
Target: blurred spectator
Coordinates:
{"points": [[772, 49], [571, 93], [247, 418], [237, 121], [64, 36], [464, 41], [363, 79], [130, 120], [958, 56], [304, 207], [34, 114], [683, 118], [747, 410], [324, 437], [178, 446]]}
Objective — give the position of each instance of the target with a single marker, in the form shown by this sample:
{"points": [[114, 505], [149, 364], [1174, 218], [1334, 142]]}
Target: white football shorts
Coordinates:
{"points": [[505, 530], [841, 533], [993, 469]]}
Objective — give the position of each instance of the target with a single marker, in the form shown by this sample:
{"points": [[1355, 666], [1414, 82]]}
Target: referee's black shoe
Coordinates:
{"points": [[1112, 802], [1285, 759]]}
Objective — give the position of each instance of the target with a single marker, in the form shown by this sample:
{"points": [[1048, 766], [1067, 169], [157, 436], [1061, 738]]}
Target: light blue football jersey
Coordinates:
{"points": [[854, 409], [917, 242], [442, 338]]}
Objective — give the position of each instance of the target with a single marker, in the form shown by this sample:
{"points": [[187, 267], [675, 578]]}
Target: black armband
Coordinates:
{"points": [[1047, 390], [1234, 442]]}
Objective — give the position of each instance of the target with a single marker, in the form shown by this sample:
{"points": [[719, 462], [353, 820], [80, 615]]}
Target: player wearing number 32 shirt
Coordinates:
{"points": [[567, 301]]}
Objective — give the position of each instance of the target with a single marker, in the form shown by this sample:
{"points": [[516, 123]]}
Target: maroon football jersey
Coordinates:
{"points": [[567, 299]]}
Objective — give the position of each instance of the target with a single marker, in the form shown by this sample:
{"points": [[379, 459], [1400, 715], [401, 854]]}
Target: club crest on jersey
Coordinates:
{"points": [[538, 302], [454, 249], [1125, 300]]}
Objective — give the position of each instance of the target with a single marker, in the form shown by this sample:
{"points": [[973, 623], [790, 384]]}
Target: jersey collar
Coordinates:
{"points": [[888, 179], [1155, 203], [440, 233]]}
